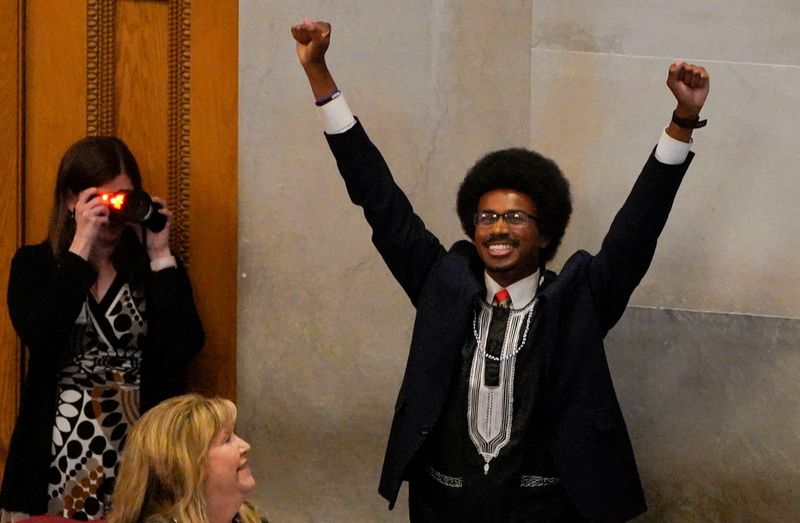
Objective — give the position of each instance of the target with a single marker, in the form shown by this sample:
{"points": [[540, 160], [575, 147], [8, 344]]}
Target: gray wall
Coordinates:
{"points": [[323, 329], [712, 404], [599, 102]]}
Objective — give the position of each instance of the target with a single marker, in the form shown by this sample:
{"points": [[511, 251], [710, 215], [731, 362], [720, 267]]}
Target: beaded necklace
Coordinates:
{"points": [[477, 335]]}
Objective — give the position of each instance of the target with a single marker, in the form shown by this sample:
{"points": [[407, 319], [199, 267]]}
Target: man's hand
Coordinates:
{"points": [[313, 39], [689, 84]]}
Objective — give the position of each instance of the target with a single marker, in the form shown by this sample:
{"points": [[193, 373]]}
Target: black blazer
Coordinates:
{"points": [[579, 411], [45, 296]]}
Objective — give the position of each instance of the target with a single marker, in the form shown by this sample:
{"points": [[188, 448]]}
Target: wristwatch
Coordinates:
{"points": [[688, 123]]}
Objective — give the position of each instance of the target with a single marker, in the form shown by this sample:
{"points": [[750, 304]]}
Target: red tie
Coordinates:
{"points": [[502, 299]]}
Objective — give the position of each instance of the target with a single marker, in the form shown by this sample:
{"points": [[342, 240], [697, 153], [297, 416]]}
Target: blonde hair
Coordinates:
{"points": [[162, 467]]}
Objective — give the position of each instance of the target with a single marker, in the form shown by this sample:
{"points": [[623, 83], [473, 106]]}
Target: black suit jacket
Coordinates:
{"points": [[584, 426]]}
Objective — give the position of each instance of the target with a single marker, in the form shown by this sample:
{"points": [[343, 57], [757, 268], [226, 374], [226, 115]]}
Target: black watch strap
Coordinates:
{"points": [[688, 123]]}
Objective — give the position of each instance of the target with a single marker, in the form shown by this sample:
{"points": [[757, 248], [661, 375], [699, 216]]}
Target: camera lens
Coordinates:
{"points": [[135, 207]]}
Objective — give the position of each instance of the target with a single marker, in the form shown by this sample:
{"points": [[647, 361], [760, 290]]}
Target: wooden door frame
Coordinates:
{"points": [[12, 110]]}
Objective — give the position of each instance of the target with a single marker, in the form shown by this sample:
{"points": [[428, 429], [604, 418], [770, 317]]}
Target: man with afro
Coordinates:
{"points": [[507, 411]]}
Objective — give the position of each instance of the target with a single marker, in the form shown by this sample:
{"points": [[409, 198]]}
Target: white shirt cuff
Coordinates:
{"points": [[163, 263], [336, 116], [670, 151]]}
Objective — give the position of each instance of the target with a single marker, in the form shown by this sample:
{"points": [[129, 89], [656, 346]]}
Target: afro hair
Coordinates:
{"points": [[529, 173]]}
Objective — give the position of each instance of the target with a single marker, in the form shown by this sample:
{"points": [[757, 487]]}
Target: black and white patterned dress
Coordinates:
{"points": [[98, 399]]}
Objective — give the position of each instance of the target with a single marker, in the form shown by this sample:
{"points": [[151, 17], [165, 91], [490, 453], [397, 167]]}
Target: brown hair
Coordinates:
{"points": [[89, 162]]}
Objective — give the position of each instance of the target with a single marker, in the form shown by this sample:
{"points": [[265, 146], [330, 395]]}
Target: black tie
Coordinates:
{"points": [[494, 340]]}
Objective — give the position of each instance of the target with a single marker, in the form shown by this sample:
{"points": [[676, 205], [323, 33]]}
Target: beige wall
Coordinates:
{"points": [[323, 329], [598, 79]]}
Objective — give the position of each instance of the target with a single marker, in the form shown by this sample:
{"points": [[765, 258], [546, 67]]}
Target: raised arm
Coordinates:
{"points": [[405, 244], [630, 243], [311, 41], [689, 84]]}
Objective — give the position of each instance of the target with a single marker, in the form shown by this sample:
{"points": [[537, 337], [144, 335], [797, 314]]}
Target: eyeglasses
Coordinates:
{"points": [[488, 218]]}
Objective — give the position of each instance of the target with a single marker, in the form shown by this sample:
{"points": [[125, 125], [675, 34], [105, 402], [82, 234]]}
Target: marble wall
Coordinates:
{"points": [[598, 78], [710, 397], [711, 402], [323, 328]]}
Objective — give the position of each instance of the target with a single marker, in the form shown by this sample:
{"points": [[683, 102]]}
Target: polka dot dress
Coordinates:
{"points": [[98, 399]]}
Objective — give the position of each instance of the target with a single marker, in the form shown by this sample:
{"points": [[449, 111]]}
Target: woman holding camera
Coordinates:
{"points": [[109, 322]]}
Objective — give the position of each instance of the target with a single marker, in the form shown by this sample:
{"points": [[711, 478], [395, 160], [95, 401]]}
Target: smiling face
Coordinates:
{"points": [[509, 252], [227, 473]]}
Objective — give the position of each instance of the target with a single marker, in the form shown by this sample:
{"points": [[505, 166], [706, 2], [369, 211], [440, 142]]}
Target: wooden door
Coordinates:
{"points": [[10, 208], [161, 75]]}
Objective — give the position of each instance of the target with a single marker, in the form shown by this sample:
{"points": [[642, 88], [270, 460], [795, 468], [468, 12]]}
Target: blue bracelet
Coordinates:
{"points": [[333, 96]]}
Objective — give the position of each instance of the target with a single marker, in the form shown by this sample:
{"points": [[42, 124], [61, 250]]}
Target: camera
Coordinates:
{"points": [[132, 206]]}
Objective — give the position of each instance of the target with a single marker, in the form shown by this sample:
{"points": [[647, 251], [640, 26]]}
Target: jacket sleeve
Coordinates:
{"points": [[630, 243], [406, 245], [174, 327], [45, 296]]}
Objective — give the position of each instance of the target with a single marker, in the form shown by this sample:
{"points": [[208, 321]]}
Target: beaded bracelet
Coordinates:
{"points": [[333, 96]]}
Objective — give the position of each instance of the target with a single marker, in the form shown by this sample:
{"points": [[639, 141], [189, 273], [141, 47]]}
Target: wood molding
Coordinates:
{"points": [[178, 122], [100, 62], [12, 110]]}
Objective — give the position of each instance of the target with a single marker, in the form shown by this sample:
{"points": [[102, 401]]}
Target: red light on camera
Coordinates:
{"points": [[117, 201]]}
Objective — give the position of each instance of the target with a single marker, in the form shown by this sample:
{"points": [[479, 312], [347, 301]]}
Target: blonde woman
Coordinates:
{"points": [[184, 464]]}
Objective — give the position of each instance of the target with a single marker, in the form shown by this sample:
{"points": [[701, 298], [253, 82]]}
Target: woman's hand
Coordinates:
{"points": [[91, 214], [158, 242]]}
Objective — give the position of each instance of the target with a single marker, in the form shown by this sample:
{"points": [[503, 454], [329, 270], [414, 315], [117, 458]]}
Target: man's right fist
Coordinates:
{"points": [[313, 39]]}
